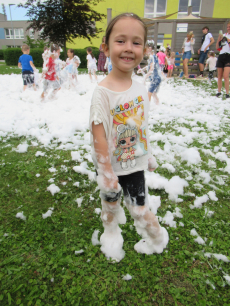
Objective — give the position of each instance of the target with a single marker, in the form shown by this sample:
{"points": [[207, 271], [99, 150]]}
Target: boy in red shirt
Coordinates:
{"points": [[51, 79]]}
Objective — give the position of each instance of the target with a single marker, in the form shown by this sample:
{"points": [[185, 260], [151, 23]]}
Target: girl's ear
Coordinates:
{"points": [[105, 49]]}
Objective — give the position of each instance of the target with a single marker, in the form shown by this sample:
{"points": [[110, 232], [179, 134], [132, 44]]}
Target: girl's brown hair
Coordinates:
{"points": [[118, 17], [71, 51], [90, 50]]}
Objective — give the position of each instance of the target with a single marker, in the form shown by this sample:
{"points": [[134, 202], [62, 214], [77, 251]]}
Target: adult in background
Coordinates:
{"points": [[206, 42], [223, 62], [102, 57], [187, 51]]}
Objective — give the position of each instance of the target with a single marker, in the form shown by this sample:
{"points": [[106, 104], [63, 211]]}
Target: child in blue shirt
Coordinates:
{"points": [[26, 63]]}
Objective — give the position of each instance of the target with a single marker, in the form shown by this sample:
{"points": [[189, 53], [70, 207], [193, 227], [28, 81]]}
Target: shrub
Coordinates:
{"points": [[11, 56], [1, 55]]}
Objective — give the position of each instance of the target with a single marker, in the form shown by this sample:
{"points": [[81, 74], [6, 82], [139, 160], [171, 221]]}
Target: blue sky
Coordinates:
{"points": [[16, 12]]}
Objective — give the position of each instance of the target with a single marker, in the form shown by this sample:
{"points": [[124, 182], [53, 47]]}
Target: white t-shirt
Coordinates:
{"points": [[69, 61], [187, 46], [125, 119], [226, 48], [206, 41], [91, 60], [211, 61]]}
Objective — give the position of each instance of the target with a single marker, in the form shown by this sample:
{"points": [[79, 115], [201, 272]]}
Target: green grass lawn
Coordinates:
{"points": [[38, 265]]}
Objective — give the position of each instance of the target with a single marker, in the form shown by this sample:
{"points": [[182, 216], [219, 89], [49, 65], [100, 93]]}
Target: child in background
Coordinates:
{"points": [[120, 144], [51, 78], [72, 70], [26, 63], [70, 54], [211, 65], [154, 71], [91, 63], [161, 56], [108, 64], [45, 55], [171, 64]]}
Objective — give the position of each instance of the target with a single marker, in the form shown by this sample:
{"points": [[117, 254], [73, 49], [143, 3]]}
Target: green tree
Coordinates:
{"points": [[32, 43], [61, 21]]}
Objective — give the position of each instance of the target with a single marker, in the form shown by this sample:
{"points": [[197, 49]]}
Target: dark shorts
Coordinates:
{"points": [[223, 60], [133, 186], [202, 57], [28, 77]]}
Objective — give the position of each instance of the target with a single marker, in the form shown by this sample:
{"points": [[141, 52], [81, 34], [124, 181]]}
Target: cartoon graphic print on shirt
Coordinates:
{"points": [[130, 139]]}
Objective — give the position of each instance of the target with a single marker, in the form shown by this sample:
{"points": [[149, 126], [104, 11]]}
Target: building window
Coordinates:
{"points": [[155, 8], [183, 7], [18, 33], [31, 33]]}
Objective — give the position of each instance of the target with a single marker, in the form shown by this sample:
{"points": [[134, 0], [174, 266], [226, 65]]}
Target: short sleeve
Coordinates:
{"points": [[209, 35], [87, 57], [20, 60], [31, 59], [99, 110]]}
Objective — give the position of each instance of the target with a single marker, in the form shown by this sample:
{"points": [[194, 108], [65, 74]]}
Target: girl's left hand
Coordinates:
{"points": [[152, 164]]}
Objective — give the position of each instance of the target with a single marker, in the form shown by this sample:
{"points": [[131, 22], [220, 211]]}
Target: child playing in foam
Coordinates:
{"points": [[120, 143], [171, 64], [70, 54], [51, 79], [26, 63], [72, 70], [91, 63], [154, 73]]}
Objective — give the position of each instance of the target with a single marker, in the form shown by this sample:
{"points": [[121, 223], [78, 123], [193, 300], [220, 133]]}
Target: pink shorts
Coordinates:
{"points": [[170, 67]]}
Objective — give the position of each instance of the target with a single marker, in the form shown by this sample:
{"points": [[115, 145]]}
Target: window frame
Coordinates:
{"points": [[154, 13], [17, 33], [184, 14]]}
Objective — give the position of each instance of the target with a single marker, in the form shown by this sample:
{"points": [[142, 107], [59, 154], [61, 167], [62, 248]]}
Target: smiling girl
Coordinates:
{"points": [[120, 143]]}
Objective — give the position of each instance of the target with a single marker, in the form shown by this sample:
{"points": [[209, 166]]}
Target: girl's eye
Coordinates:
{"points": [[132, 139], [136, 43], [120, 41], [122, 142]]}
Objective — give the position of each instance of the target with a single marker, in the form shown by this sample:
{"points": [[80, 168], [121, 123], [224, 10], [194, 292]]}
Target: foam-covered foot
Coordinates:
{"points": [[111, 244], [149, 245]]}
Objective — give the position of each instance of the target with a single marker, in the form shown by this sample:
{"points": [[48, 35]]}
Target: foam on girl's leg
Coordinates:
{"points": [[111, 240], [155, 237]]}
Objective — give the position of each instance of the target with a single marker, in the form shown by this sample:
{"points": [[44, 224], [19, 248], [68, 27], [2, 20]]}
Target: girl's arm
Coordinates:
{"points": [[110, 180], [218, 40]]}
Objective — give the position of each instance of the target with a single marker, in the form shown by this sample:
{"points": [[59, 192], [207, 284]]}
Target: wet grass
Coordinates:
{"points": [[38, 265]]}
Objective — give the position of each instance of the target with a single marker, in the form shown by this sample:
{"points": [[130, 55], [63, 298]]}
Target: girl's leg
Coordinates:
{"points": [[112, 214], [155, 97], [155, 237], [90, 76], [149, 95], [95, 75], [226, 79], [185, 65], [220, 76]]}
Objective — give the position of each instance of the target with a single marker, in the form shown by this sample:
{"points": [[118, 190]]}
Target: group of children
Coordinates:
{"points": [[55, 71]]}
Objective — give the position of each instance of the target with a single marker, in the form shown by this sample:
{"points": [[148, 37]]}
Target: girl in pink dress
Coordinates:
{"points": [[171, 64], [161, 56]]}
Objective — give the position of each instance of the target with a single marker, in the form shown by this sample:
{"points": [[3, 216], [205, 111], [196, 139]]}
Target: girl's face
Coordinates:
{"points": [[126, 45], [228, 28], [69, 54], [128, 142]]}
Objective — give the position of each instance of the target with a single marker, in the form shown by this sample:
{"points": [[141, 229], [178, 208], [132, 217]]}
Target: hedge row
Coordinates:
{"points": [[11, 56], [1, 55]]}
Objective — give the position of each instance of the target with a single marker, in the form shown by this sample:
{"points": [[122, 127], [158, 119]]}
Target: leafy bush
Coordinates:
{"points": [[11, 56], [1, 55]]}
